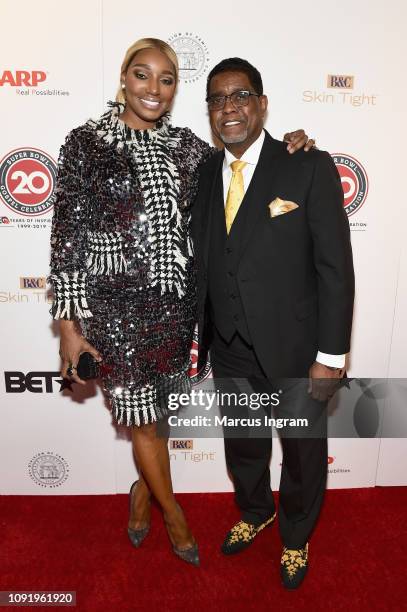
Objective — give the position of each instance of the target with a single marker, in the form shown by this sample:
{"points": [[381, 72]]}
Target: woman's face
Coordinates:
{"points": [[150, 87]]}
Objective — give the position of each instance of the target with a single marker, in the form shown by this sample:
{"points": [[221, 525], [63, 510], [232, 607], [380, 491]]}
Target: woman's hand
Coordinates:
{"points": [[298, 140], [72, 345]]}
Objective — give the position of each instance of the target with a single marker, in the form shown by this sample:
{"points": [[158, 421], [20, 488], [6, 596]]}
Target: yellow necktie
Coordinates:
{"points": [[235, 193]]}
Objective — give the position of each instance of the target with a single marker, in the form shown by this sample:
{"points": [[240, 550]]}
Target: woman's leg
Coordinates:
{"points": [[140, 504], [153, 459]]}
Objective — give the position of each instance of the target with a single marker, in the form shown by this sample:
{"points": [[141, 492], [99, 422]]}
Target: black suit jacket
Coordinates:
{"points": [[295, 272]]}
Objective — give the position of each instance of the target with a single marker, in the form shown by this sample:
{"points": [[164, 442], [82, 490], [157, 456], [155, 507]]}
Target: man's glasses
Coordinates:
{"points": [[238, 99]]}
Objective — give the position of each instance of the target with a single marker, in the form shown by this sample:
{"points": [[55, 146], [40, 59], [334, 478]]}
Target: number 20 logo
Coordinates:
{"points": [[27, 181], [27, 184]]}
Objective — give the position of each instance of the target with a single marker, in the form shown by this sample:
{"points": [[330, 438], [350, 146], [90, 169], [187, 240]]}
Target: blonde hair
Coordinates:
{"points": [[140, 45]]}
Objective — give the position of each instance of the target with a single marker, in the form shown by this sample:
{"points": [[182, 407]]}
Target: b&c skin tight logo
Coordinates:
{"points": [[181, 444], [33, 282], [340, 91], [27, 181], [48, 470], [340, 81], [354, 182]]}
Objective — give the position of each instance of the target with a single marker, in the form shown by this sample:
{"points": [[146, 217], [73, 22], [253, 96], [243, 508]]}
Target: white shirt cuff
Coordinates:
{"points": [[334, 361]]}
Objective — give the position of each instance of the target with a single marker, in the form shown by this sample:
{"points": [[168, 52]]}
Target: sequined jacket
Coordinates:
{"points": [[122, 211]]}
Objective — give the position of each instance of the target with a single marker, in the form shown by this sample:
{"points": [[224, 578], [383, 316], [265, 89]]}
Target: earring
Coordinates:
{"points": [[123, 86]]}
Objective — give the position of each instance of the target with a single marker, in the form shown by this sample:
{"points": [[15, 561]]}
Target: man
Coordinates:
{"points": [[276, 287]]}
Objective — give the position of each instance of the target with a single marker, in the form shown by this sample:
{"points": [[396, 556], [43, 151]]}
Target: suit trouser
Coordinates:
{"points": [[305, 458]]}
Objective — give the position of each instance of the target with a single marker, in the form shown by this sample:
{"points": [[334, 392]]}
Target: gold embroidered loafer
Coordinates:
{"points": [[294, 565], [242, 535]]}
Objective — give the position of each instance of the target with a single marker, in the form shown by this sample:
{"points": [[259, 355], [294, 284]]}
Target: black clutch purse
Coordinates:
{"points": [[87, 367]]}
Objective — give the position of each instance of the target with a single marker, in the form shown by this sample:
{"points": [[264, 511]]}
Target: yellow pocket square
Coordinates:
{"points": [[280, 207]]}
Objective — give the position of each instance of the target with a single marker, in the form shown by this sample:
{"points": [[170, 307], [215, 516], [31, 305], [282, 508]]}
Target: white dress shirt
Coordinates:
{"points": [[251, 157]]}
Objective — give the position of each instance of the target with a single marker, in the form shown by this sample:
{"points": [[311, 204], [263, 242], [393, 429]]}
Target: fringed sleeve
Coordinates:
{"points": [[68, 234]]}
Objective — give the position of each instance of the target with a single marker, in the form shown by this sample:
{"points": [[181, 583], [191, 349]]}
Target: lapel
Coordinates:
{"points": [[259, 192], [215, 198]]}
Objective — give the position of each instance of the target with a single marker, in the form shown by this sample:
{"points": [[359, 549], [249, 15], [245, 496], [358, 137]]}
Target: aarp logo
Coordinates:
{"points": [[22, 78]]}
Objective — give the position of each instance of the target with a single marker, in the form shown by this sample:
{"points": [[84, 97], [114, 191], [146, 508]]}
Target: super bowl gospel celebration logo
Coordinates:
{"points": [[196, 375], [27, 181], [48, 470], [354, 182], [193, 56]]}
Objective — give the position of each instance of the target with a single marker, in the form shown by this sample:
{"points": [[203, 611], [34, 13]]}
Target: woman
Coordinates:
{"points": [[122, 266]]}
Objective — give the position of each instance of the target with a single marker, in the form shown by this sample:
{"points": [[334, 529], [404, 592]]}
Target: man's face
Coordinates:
{"points": [[236, 125]]}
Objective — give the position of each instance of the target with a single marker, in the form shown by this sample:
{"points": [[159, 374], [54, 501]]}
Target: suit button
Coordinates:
{"points": [[235, 317], [232, 296], [231, 274], [228, 250]]}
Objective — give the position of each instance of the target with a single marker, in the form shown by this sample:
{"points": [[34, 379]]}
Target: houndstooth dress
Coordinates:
{"points": [[121, 256]]}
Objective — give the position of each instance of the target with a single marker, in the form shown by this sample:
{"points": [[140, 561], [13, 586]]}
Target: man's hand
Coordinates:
{"points": [[298, 140], [323, 381]]}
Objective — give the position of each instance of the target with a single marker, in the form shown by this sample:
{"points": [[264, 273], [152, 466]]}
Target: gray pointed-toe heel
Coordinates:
{"points": [[190, 555], [136, 536]]}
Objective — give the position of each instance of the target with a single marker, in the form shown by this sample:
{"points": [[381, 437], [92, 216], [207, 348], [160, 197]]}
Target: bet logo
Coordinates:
{"points": [[34, 382]]}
